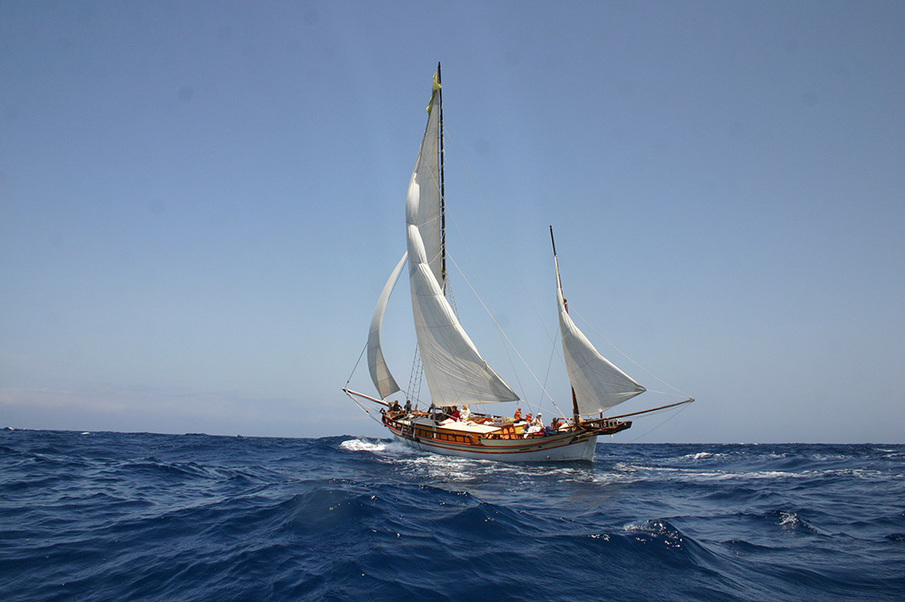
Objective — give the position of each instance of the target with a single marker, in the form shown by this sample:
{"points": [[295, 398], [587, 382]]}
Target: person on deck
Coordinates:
{"points": [[535, 426], [455, 414], [518, 415], [465, 414]]}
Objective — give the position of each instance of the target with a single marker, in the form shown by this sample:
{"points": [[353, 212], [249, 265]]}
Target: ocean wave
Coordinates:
{"points": [[657, 531], [196, 517]]}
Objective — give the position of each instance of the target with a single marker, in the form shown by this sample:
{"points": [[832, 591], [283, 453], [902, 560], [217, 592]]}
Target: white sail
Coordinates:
{"points": [[598, 384], [425, 184], [455, 371], [380, 373]]}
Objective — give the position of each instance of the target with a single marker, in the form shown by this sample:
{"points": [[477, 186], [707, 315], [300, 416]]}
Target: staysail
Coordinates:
{"points": [[598, 384], [380, 373], [455, 371]]}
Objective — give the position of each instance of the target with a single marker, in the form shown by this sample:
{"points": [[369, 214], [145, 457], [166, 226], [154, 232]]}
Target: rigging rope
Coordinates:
{"points": [[504, 336], [626, 356], [358, 361], [496, 231], [416, 378], [366, 409], [514, 270], [363, 408], [652, 429]]}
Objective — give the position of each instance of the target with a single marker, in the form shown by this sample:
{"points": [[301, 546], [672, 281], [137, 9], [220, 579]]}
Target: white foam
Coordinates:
{"points": [[789, 520], [698, 456], [364, 445]]}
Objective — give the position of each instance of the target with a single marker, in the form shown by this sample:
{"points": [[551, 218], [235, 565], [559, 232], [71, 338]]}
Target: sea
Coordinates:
{"points": [[121, 516]]}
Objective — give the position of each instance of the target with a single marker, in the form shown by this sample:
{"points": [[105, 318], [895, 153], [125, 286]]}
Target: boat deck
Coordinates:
{"points": [[493, 437]]}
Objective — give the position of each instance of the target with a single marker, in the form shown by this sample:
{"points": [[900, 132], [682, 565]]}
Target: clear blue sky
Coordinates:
{"points": [[199, 204]]}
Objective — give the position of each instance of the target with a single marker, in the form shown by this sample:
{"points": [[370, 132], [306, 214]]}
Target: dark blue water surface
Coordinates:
{"points": [[112, 516]]}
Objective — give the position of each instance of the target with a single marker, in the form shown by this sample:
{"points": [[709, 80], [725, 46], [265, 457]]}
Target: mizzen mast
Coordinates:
{"points": [[575, 412]]}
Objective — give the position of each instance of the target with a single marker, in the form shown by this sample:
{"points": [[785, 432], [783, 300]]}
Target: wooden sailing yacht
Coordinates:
{"points": [[456, 374]]}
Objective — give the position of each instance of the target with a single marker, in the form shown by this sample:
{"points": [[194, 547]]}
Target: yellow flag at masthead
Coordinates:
{"points": [[434, 89]]}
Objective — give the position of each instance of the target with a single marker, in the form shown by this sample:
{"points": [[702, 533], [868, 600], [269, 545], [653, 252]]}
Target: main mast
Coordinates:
{"points": [[442, 184]]}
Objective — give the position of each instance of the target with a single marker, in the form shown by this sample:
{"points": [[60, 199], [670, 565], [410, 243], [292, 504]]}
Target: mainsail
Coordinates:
{"points": [[426, 186], [597, 383], [380, 373], [455, 371]]}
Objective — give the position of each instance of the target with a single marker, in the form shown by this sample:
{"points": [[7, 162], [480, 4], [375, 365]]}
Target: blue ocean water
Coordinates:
{"points": [[112, 516]]}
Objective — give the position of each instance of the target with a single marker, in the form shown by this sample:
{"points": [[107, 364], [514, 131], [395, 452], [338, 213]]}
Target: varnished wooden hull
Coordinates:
{"points": [[577, 445]]}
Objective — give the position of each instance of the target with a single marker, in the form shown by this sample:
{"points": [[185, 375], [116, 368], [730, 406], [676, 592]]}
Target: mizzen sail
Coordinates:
{"points": [[598, 384]]}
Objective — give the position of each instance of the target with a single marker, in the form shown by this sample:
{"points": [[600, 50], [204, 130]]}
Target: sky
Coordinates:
{"points": [[200, 203]]}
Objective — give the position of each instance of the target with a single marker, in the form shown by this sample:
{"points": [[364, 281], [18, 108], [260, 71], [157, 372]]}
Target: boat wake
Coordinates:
{"points": [[366, 445]]}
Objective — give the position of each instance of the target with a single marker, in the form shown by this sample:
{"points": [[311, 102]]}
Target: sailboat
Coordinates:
{"points": [[457, 375]]}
